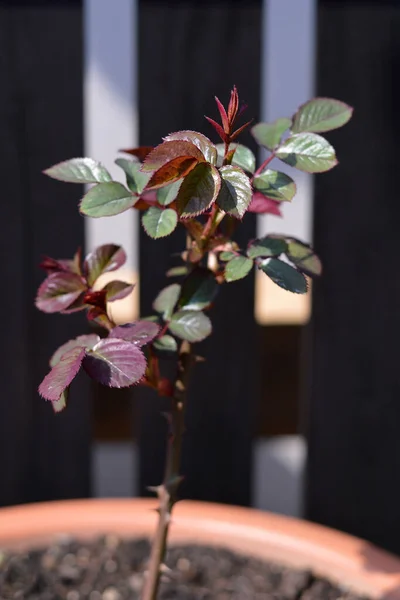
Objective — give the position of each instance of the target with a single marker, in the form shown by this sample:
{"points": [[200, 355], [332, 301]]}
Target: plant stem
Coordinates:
{"points": [[166, 492], [263, 165]]}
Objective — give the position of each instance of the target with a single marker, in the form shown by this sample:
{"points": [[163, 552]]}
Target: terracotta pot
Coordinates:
{"points": [[337, 556]]}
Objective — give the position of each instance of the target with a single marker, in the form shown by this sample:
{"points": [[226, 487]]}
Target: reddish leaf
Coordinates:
{"points": [[62, 374], [138, 333], [82, 341], [233, 105], [224, 137], [263, 205], [59, 291], [76, 306], [51, 265], [224, 116], [141, 152], [172, 171], [115, 363], [103, 259], [116, 290], [206, 147], [167, 151], [239, 131]]}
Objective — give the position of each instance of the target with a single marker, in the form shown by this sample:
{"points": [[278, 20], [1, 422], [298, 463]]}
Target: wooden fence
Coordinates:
{"points": [[353, 399]]}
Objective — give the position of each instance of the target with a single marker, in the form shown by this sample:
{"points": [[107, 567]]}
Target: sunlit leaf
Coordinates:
{"points": [[270, 134], [106, 200], [59, 291], [285, 276], [321, 114], [167, 151], [82, 341], [235, 193], [308, 152], [140, 332], [199, 190], [62, 374], [103, 259], [115, 363], [190, 325], [238, 268], [79, 170], [171, 172], [275, 185], [159, 222], [202, 142]]}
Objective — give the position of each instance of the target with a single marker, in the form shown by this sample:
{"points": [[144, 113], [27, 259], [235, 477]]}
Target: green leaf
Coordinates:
{"points": [[304, 257], [243, 157], [135, 179], [166, 300], [308, 152], [270, 134], [202, 142], [166, 343], [275, 185], [266, 247], [235, 193], [226, 255], [159, 222], [321, 114], [285, 276], [198, 290], [79, 170], [177, 271], [167, 194], [198, 191], [106, 200], [190, 325], [237, 268]]}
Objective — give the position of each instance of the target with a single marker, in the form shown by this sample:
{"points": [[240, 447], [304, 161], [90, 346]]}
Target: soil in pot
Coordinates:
{"points": [[110, 568]]}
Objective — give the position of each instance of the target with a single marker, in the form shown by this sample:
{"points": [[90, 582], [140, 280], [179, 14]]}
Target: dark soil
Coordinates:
{"points": [[112, 569]]}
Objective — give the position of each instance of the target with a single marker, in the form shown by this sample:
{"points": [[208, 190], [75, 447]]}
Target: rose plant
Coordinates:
{"points": [[207, 188]]}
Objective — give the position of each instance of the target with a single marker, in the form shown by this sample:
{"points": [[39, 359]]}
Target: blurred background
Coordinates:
{"points": [[297, 409]]}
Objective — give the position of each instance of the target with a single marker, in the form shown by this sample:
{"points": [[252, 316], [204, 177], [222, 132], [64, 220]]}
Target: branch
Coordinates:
{"points": [[167, 491]]}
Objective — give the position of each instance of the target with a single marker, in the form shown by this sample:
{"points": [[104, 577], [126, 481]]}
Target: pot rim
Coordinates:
{"points": [[338, 556]]}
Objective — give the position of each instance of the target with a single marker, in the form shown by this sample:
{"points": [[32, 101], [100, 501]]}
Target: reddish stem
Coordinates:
{"points": [[263, 165]]}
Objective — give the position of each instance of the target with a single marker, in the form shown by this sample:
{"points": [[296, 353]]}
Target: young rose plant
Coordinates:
{"points": [[206, 188]]}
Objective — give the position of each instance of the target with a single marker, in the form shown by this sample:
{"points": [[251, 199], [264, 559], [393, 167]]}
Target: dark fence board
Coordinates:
{"points": [[354, 442], [43, 456], [212, 47]]}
